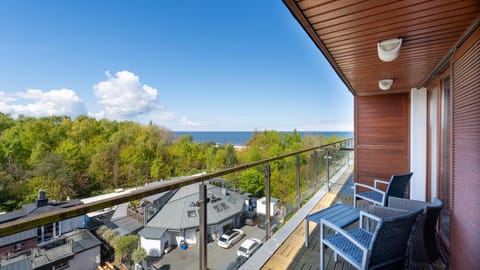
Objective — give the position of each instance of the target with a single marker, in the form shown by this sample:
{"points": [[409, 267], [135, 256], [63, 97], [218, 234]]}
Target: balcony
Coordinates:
{"points": [[292, 253], [319, 176]]}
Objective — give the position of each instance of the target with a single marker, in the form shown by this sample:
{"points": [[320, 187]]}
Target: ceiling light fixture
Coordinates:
{"points": [[389, 49], [385, 84]]}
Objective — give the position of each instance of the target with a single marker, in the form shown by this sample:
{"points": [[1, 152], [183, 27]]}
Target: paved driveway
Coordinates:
{"points": [[218, 258]]}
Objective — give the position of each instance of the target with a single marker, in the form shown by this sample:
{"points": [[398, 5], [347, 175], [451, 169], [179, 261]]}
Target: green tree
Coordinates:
{"points": [[252, 181], [55, 176], [5, 122], [184, 151], [8, 198], [125, 246], [139, 255], [161, 165]]}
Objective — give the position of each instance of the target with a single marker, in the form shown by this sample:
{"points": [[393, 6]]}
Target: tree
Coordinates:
{"points": [[139, 255], [55, 176], [125, 245], [8, 200], [230, 156], [5, 122], [252, 181]]}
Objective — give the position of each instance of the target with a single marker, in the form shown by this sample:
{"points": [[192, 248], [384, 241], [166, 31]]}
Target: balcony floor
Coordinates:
{"points": [[293, 254]]}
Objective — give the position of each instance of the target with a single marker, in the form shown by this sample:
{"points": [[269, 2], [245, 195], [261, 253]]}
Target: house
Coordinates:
{"points": [[262, 206], [77, 249], [27, 239], [178, 219]]}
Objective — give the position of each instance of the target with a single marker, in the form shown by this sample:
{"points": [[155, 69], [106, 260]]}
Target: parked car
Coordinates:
{"points": [[248, 247], [235, 264], [230, 238]]}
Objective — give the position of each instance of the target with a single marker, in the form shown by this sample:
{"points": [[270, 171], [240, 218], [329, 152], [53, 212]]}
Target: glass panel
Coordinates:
{"points": [[444, 182]]}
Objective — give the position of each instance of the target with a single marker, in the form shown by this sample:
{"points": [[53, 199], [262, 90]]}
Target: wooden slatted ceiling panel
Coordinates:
{"points": [[465, 231], [381, 137], [350, 29]]}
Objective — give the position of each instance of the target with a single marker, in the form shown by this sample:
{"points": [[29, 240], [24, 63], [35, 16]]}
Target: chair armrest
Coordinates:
{"points": [[367, 187], [378, 181], [355, 194], [366, 215], [325, 223]]}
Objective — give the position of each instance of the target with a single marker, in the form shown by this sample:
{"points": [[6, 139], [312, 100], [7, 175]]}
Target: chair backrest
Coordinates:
{"points": [[391, 239], [397, 186]]}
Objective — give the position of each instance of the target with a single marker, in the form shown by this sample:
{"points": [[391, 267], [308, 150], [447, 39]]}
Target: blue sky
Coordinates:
{"points": [[184, 65]]}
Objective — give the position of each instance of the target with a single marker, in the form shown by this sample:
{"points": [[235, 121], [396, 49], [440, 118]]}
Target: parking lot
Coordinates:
{"points": [[218, 258]]}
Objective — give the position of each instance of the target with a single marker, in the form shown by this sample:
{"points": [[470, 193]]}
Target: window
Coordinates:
{"points": [[192, 213], [17, 247]]}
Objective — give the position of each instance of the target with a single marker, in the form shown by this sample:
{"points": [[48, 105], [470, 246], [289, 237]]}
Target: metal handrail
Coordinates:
{"points": [[62, 214]]}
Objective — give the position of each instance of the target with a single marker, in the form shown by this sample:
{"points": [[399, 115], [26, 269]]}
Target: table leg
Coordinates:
{"points": [[306, 232]]}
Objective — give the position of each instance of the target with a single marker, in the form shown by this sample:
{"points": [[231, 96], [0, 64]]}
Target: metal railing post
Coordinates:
{"points": [[297, 164], [335, 165], [327, 165], [203, 225], [267, 201], [315, 167]]}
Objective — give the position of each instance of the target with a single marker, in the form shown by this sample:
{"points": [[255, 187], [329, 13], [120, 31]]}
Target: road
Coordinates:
{"points": [[218, 258]]}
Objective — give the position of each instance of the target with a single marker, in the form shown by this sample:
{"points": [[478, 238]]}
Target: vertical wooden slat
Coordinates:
{"points": [[465, 214]]}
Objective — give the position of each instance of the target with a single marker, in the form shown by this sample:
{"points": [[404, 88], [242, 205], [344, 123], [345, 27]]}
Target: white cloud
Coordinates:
{"points": [[203, 125], [38, 103], [123, 96], [161, 116], [188, 123]]}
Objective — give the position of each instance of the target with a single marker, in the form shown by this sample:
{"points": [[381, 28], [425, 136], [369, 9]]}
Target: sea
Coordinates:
{"points": [[240, 138]]}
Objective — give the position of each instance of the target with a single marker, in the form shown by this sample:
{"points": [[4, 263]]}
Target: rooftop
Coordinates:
{"points": [[181, 211], [52, 251]]}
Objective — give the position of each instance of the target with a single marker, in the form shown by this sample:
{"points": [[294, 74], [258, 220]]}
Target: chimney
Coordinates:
{"points": [[42, 199]]}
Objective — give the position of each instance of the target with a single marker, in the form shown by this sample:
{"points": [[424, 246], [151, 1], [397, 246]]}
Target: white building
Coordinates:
{"points": [[178, 218], [262, 206]]}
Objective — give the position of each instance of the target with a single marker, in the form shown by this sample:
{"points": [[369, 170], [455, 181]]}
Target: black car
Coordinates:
{"points": [[236, 263]]}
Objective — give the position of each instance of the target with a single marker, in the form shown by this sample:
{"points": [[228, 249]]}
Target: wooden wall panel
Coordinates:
{"points": [[381, 136], [465, 203]]}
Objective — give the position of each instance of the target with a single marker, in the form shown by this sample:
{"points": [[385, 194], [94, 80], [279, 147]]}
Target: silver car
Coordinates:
{"points": [[230, 238], [248, 247]]}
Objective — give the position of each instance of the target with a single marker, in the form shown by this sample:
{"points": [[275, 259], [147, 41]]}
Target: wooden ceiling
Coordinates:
{"points": [[347, 32]]}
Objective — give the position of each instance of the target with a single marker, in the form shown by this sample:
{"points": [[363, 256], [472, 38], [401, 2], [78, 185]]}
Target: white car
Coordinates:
{"points": [[230, 238], [248, 247]]}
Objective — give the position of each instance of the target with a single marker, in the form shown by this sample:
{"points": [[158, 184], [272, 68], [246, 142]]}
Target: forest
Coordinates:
{"points": [[82, 157]]}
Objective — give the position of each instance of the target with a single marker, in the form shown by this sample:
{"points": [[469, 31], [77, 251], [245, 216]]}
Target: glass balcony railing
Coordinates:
{"points": [[180, 223]]}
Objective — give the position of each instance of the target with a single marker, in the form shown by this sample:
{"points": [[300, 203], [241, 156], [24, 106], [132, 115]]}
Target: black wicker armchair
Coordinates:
{"points": [[377, 243], [424, 243]]}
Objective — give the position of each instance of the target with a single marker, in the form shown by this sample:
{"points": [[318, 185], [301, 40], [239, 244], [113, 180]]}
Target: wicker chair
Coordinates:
{"points": [[395, 188], [424, 243], [378, 243]]}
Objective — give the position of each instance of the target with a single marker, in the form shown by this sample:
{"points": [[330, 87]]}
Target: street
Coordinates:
{"points": [[218, 258]]}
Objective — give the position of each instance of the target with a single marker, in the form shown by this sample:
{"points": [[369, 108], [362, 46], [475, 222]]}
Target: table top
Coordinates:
{"points": [[339, 214]]}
